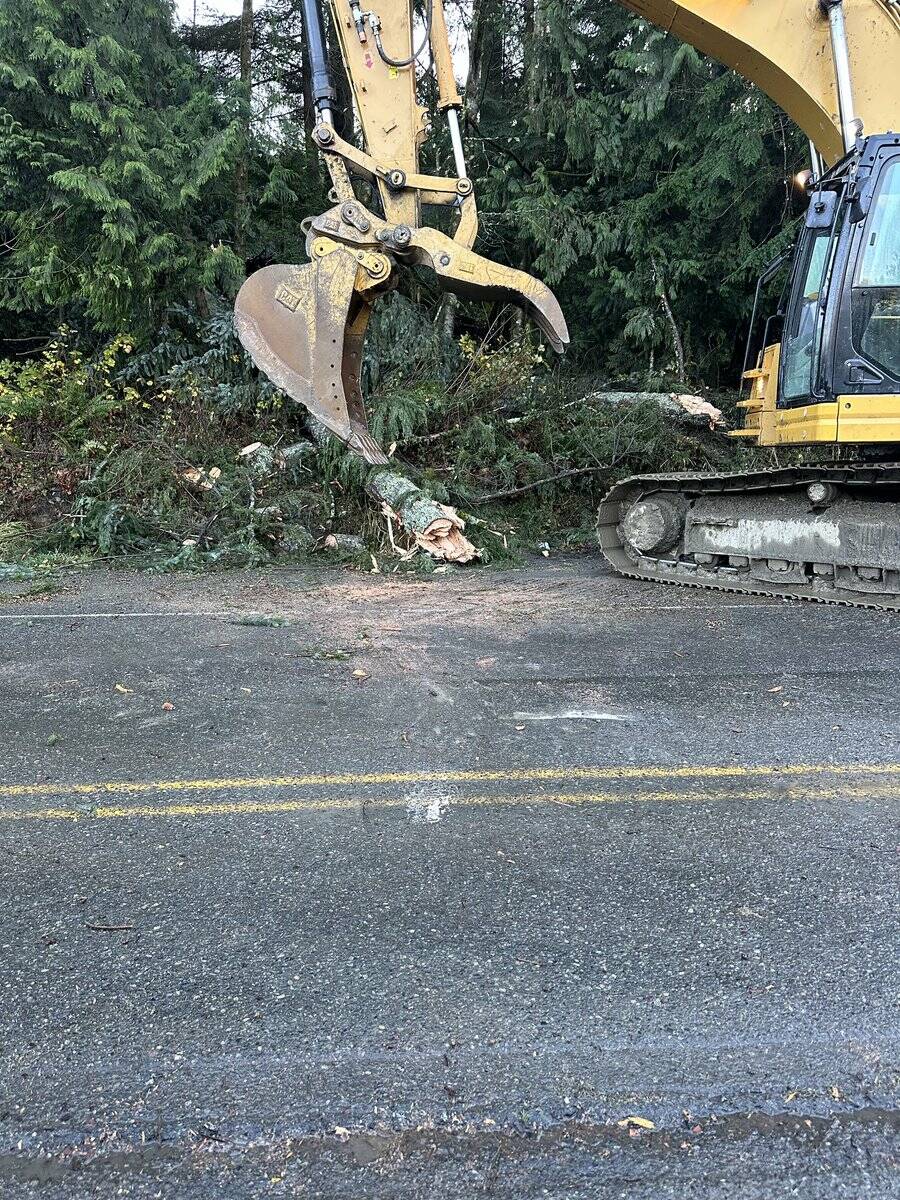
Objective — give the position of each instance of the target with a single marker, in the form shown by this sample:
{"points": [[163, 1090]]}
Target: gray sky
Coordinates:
{"points": [[232, 8], [205, 7]]}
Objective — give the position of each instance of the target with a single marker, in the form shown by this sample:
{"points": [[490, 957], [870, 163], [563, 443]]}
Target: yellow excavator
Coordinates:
{"points": [[828, 371]]}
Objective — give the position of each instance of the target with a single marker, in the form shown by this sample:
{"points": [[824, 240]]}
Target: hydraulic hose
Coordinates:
{"points": [[323, 92], [401, 62]]}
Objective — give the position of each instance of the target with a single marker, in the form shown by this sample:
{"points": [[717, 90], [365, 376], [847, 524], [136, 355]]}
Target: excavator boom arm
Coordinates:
{"points": [[784, 47]]}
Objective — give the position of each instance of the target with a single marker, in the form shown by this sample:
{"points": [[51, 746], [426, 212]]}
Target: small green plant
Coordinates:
{"points": [[69, 395], [14, 541]]}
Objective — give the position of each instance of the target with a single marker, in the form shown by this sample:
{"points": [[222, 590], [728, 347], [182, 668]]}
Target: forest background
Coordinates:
{"points": [[147, 165]]}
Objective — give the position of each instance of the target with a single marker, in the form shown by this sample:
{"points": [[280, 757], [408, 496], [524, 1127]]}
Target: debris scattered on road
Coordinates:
{"points": [[261, 619], [123, 690], [97, 927], [427, 809], [324, 654], [640, 1122], [744, 910]]}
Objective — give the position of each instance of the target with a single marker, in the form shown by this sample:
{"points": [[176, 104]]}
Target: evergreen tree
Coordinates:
{"points": [[116, 163], [646, 183]]}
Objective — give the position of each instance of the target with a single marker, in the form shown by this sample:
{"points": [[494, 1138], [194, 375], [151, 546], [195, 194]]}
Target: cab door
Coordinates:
{"points": [[866, 334], [802, 337], [875, 292]]}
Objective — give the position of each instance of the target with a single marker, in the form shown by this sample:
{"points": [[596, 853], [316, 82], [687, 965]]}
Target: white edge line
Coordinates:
{"points": [[115, 616], [238, 615]]}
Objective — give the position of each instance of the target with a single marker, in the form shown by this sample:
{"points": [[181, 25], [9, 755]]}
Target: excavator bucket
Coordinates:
{"points": [[304, 327]]}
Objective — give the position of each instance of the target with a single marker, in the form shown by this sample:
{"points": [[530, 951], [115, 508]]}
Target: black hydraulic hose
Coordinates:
{"points": [[323, 92], [405, 62]]}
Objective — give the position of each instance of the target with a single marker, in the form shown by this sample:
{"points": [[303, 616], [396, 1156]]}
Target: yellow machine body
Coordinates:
{"points": [[847, 420]]}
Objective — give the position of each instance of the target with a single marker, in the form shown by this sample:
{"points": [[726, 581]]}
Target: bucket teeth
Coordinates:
{"points": [[304, 328]]}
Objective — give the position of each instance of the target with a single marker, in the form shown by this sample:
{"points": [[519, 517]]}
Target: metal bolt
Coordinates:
{"points": [[445, 260], [323, 134], [352, 215], [402, 235]]}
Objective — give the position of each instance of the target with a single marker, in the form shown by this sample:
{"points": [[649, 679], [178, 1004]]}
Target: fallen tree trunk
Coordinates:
{"points": [[690, 410], [436, 528]]}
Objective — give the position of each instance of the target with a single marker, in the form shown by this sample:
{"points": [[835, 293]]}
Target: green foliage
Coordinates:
{"points": [[151, 455], [638, 174], [110, 142], [140, 180], [69, 397]]}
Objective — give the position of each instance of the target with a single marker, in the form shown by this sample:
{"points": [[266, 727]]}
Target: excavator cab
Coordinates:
{"points": [[842, 332], [835, 374]]}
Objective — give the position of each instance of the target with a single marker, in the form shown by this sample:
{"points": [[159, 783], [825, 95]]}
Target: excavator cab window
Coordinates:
{"points": [[801, 342], [876, 289]]}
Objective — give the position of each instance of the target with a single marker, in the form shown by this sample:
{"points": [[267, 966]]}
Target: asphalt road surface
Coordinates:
{"points": [[537, 883]]}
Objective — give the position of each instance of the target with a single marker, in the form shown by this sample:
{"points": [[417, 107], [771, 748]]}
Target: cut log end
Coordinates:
{"points": [[444, 538], [436, 528]]}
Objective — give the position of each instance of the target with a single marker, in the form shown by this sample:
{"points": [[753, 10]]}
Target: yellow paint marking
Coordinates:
{"points": [[39, 814], [347, 804], [513, 775]]}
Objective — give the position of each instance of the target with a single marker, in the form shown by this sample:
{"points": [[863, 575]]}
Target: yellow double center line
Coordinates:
{"points": [[173, 798]]}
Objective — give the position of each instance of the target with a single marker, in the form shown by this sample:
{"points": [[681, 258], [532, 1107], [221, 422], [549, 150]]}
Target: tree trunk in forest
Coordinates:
{"points": [[677, 343], [484, 53], [530, 51], [447, 315], [242, 170]]}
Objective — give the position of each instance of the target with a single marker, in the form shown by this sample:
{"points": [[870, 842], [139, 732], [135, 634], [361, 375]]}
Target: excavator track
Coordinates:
{"points": [[866, 496]]}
